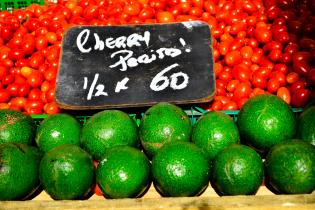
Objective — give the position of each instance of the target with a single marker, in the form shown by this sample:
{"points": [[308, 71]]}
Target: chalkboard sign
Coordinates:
{"points": [[135, 65]]}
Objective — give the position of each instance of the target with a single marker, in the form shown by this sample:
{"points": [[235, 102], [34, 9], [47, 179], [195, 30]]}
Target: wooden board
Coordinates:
{"points": [[209, 200], [135, 65]]}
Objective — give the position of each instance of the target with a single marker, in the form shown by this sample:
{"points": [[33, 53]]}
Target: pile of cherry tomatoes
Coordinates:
{"points": [[258, 46]]}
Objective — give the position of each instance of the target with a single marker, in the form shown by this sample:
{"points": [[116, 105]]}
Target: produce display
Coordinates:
{"points": [[233, 165], [258, 46], [263, 53]]}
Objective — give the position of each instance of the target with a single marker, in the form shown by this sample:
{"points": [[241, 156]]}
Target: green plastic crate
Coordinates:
{"points": [[17, 4], [197, 112], [82, 119], [194, 114]]}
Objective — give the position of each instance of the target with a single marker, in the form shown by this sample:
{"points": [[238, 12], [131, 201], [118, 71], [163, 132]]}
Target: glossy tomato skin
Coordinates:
{"points": [[284, 94], [300, 97], [4, 96], [35, 79]]}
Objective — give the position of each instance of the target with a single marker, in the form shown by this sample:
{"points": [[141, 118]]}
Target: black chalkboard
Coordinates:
{"points": [[135, 65]]}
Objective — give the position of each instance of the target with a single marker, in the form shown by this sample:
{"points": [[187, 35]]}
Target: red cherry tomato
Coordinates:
{"points": [[41, 42], [34, 94], [36, 60], [216, 105], [280, 76], [51, 108], [263, 35], [13, 89], [50, 95], [281, 67], [18, 102], [24, 89], [28, 44], [292, 77], [242, 73], [231, 86], [231, 105], [4, 96], [300, 97], [147, 13], [247, 52], [232, 58], [33, 107], [242, 91], [273, 85], [301, 67], [35, 79]]}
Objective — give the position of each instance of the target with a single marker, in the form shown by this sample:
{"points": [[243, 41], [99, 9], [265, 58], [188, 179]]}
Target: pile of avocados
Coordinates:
{"points": [[268, 143]]}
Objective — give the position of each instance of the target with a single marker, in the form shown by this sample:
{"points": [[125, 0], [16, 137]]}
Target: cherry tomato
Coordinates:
{"points": [[33, 106], [284, 94], [36, 60], [147, 13], [24, 89], [222, 99], [231, 105], [242, 90], [18, 102], [231, 86], [90, 12], [51, 108], [165, 17], [297, 86], [41, 42], [4, 96], [275, 55], [16, 54], [8, 79], [15, 42], [51, 37], [263, 35], [242, 73], [13, 89], [247, 52], [35, 79], [300, 97], [280, 76], [301, 67], [232, 58], [273, 85], [227, 76], [217, 105], [34, 94], [50, 95], [28, 44], [50, 74], [220, 83], [281, 67], [292, 77]]}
